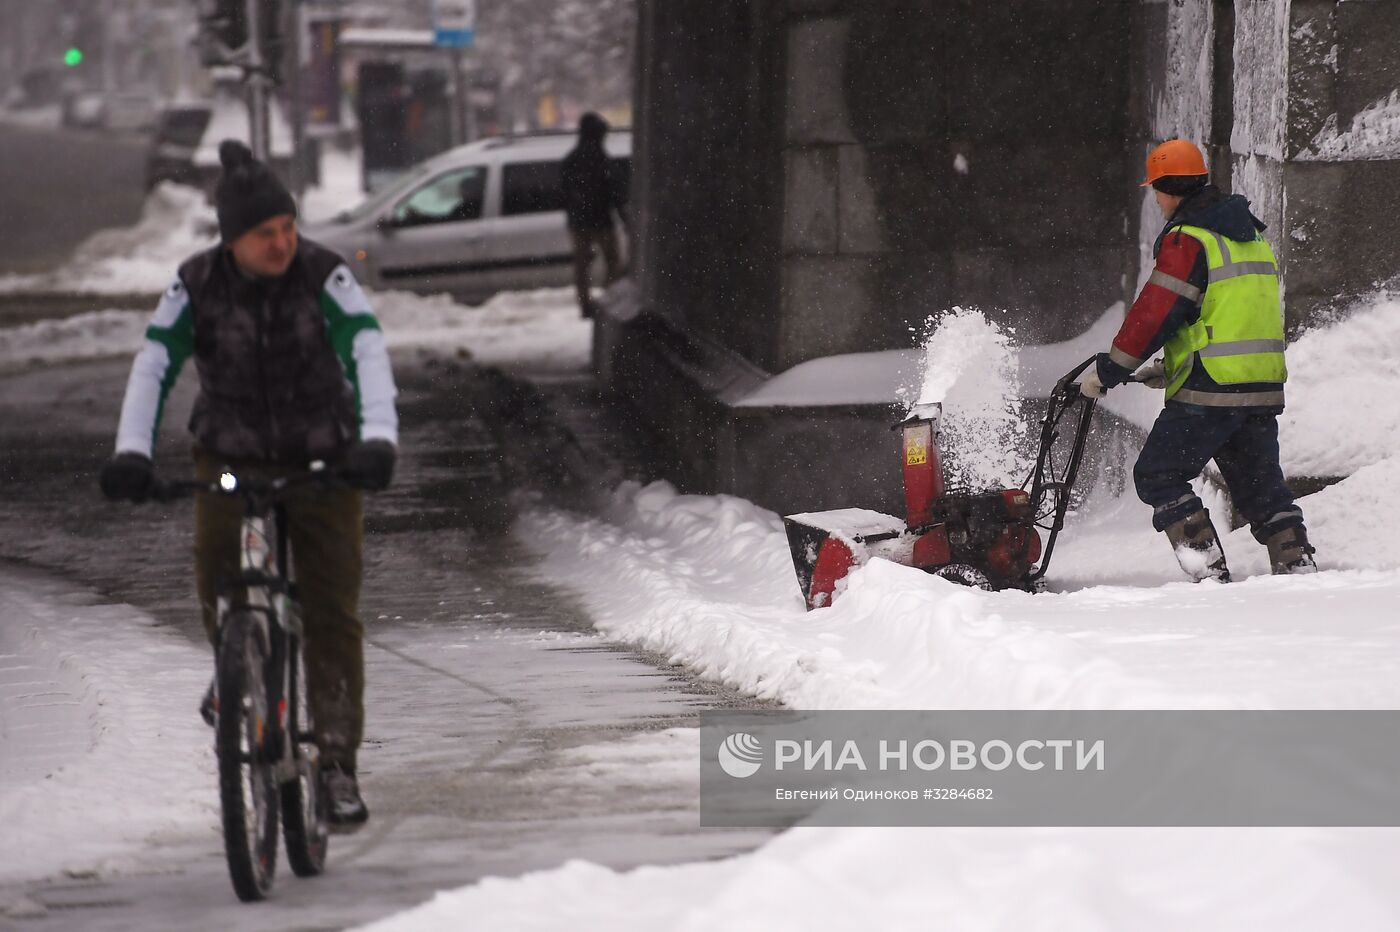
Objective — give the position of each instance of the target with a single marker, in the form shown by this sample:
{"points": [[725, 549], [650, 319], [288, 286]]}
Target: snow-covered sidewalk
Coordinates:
{"points": [[96, 773]]}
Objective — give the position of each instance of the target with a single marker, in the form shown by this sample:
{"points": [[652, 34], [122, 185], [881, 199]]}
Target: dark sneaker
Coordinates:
{"points": [[209, 706], [345, 810]]}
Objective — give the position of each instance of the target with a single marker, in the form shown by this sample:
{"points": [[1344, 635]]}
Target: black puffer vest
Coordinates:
{"points": [[271, 386]]}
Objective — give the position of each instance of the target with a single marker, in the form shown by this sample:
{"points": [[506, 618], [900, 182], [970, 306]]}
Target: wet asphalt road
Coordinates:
{"points": [[488, 693], [57, 186]]}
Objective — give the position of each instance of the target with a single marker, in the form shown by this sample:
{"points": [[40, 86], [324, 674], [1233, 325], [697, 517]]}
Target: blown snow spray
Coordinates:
{"points": [[969, 366]]}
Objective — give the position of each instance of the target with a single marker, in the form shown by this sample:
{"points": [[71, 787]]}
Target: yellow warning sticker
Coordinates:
{"points": [[915, 453]]}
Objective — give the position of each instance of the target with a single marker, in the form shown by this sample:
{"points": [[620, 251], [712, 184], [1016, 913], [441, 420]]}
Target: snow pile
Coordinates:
{"points": [[970, 366], [1356, 518], [86, 336], [92, 764], [1374, 134], [539, 329], [883, 878], [1342, 392], [175, 223], [708, 581]]}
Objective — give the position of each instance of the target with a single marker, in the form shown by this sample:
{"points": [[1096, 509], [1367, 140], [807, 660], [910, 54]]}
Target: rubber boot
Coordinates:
{"points": [[1197, 547], [1290, 553]]}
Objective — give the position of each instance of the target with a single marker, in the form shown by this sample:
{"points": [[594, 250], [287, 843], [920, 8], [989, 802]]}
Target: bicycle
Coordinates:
{"points": [[263, 739]]}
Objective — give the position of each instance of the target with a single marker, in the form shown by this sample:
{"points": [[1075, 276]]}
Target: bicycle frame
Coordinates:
{"points": [[265, 588]]}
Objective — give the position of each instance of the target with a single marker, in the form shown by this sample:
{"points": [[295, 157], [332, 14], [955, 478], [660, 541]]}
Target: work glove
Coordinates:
{"points": [[369, 464], [128, 477], [1153, 375], [1090, 385]]}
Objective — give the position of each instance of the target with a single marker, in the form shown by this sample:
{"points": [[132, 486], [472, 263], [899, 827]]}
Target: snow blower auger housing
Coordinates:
{"points": [[988, 539]]}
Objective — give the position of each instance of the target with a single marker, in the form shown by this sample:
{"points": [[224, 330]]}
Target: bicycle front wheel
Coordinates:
{"points": [[303, 804], [243, 737]]}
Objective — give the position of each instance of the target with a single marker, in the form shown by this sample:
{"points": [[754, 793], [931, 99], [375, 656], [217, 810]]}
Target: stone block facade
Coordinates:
{"points": [[820, 177]]}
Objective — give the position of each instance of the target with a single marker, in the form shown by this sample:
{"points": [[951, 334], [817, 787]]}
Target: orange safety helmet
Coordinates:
{"points": [[1175, 157]]}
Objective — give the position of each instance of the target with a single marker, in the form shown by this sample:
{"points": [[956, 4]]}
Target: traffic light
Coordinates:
{"points": [[224, 36], [73, 57], [224, 30]]}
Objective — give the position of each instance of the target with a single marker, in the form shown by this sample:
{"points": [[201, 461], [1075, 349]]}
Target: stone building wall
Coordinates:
{"points": [[1341, 174], [963, 153], [819, 177], [1298, 105]]}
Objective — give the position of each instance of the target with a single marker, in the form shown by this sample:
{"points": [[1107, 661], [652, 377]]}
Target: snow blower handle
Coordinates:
{"points": [[1071, 380]]}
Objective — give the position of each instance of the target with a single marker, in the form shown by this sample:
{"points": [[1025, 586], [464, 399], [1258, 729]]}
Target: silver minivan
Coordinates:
{"points": [[478, 219]]}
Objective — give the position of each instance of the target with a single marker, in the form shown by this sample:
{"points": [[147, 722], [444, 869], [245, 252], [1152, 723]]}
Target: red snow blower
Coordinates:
{"points": [[989, 539]]}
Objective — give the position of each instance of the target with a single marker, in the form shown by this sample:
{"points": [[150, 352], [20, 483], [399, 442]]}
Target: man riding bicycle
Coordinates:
{"points": [[293, 368]]}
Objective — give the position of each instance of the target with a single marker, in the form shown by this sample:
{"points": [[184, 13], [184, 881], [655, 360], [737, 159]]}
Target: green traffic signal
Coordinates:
{"points": [[73, 58]]}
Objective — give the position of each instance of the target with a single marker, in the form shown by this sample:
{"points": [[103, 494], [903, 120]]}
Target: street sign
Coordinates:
{"points": [[454, 23]]}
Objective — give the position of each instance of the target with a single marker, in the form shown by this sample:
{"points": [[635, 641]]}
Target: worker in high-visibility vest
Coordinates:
{"points": [[1212, 306]]}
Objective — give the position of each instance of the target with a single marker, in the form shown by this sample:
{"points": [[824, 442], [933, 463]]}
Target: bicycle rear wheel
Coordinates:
{"points": [[303, 805], [247, 785]]}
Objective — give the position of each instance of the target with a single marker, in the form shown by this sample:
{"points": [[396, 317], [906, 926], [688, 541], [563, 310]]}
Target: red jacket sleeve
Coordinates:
{"points": [[1170, 300]]}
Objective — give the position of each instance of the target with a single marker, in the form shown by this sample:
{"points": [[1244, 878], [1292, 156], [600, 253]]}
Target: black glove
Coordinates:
{"points": [[369, 464], [128, 477]]}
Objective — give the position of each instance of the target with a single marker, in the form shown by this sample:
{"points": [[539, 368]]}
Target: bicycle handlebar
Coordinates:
{"points": [[230, 484]]}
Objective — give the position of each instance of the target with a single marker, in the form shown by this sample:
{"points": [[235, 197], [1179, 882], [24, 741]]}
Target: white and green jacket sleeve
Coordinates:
{"points": [[169, 342], [359, 343]]}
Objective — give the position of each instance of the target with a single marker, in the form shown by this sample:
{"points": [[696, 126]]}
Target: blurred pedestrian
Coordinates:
{"points": [[593, 191]]}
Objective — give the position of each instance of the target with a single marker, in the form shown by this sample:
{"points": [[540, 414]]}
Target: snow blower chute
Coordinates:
{"points": [[989, 539]]}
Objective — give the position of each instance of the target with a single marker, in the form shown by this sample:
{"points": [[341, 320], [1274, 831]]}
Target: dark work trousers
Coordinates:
{"points": [[326, 533], [585, 243], [1243, 443]]}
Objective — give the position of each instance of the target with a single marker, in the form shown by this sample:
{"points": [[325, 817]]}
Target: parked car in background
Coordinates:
{"points": [[179, 128], [185, 146], [122, 112], [478, 219]]}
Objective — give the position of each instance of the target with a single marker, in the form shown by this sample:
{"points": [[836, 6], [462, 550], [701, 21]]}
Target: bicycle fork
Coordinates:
{"points": [[266, 597]]}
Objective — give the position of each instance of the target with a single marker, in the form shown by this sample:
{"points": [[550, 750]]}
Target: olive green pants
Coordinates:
{"points": [[325, 528]]}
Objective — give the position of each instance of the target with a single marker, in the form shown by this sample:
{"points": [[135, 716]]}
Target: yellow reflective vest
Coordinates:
{"points": [[1239, 335]]}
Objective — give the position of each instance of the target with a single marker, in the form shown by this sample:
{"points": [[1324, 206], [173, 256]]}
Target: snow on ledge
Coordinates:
{"points": [[878, 378], [849, 379], [1374, 134]]}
